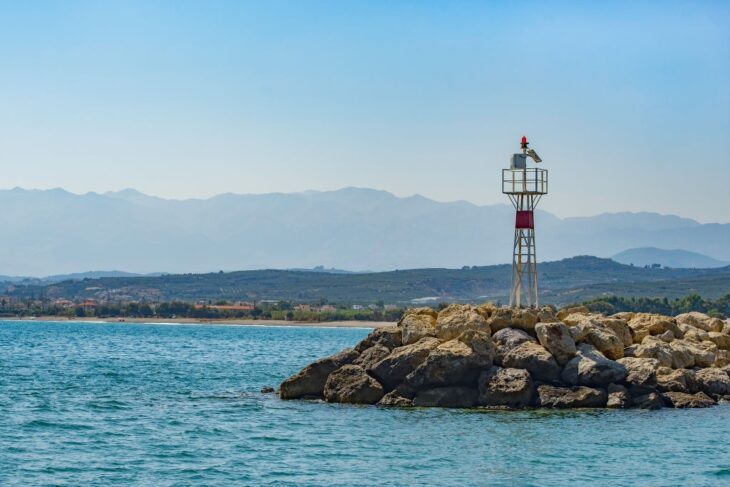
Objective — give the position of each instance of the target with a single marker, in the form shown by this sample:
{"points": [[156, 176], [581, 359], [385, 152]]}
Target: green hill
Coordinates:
{"points": [[563, 281]]}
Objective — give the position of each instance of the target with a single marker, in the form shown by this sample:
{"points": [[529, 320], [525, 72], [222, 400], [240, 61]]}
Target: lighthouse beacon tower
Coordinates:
{"points": [[524, 186]]}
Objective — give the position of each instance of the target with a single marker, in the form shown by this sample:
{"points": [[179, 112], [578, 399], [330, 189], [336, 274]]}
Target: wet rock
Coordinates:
{"points": [[591, 368], [267, 390], [393, 399], [556, 338], [310, 381], [683, 400], [618, 397], [573, 397], [535, 359], [371, 356], [712, 381], [648, 401], [417, 323], [351, 384], [387, 336], [394, 368], [458, 318], [505, 387], [447, 397]]}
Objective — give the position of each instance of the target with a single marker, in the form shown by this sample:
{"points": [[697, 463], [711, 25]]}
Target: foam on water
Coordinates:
{"points": [[116, 404]]}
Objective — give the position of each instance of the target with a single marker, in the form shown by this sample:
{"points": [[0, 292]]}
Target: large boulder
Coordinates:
{"points": [[556, 338], [701, 321], [525, 319], [451, 363], [641, 377], [674, 380], [591, 368], [652, 347], [645, 324], [387, 336], [417, 323], [712, 381], [580, 310], [499, 319], [573, 397], [505, 387], [351, 384], [455, 319], [394, 368], [684, 400], [447, 397], [535, 358], [692, 333], [605, 340], [721, 340], [723, 358], [310, 381], [508, 338], [371, 356], [688, 354]]}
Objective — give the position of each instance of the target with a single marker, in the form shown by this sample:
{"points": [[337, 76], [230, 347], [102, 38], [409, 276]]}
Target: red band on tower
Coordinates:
{"points": [[525, 219]]}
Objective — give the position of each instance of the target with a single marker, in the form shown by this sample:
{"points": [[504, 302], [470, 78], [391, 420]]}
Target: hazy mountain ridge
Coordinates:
{"points": [[57, 232], [676, 258]]}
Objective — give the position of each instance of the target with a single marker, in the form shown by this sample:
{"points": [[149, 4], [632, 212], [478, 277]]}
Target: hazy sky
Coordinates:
{"points": [[627, 103]]}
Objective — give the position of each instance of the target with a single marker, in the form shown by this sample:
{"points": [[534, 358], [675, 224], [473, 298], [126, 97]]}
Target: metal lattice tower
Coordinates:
{"points": [[525, 187]]}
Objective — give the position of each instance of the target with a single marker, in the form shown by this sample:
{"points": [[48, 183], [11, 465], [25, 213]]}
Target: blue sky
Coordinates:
{"points": [[627, 102]]}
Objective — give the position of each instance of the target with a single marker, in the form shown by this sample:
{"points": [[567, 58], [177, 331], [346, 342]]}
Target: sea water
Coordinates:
{"points": [[129, 404]]}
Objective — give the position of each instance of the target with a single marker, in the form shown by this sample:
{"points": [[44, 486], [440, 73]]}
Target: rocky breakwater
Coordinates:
{"points": [[483, 356]]}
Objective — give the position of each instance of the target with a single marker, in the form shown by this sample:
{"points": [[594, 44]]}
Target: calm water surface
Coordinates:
{"points": [[121, 404]]}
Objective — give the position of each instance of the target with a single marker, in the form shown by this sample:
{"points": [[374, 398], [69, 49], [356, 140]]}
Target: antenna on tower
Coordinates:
{"points": [[525, 187]]}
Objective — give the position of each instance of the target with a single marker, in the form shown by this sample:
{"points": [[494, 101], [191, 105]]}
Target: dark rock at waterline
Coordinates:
{"points": [[351, 384], [310, 381], [267, 390], [447, 397], [571, 397], [505, 387]]}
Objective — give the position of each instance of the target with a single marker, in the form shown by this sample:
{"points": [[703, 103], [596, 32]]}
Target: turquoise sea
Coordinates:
{"points": [[128, 404]]}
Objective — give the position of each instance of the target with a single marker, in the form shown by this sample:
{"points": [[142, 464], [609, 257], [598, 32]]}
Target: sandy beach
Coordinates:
{"points": [[194, 321]]}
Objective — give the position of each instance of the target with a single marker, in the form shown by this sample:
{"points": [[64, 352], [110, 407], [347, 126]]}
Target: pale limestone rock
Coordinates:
{"points": [[416, 324], [572, 310], [458, 318], [701, 321], [712, 381], [557, 339], [720, 339]]}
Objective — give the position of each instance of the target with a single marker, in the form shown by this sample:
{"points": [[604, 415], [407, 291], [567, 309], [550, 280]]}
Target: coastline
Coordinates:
{"points": [[195, 321]]}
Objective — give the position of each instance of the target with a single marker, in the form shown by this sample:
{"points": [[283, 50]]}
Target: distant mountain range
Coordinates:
{"points": [[57, 232], [676, 258]]}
